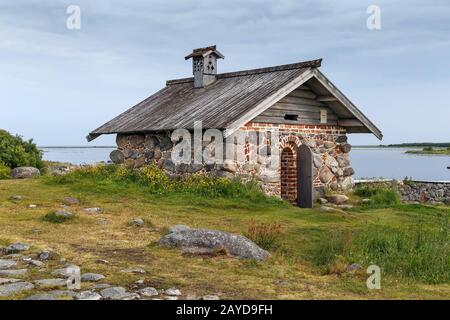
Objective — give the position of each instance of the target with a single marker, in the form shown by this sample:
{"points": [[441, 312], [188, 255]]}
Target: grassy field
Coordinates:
{"points": [[409, 243]]}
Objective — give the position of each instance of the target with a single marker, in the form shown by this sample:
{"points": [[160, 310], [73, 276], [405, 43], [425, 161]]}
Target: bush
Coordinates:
{"points": [[5, 171], [15, 152], [265, 235]]}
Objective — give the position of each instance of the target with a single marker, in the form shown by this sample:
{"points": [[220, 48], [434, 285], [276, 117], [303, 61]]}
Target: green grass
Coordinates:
{"points": [[310, 248]]}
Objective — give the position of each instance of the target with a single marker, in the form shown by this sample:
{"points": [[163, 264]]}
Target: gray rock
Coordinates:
{"points": [[117, 156], [148, 292], [88, 295], [114, 293], [10, 289], [178, 228], [210, 297], [138, 222], [14, 273], [50, 283], [6, 264], [134, 271], [93, 210], [63, 213], [353, 267], [41, 296], [17, 247], [92, 277], [25, 173], [46, 255], [71, 201], [235, 245], [67, 271], [337, 198], [101, 286], [172, 292], [345, 148], [8, 280], [34, 263]]}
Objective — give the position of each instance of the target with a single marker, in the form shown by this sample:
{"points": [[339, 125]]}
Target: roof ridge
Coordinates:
{"points": [[305, 64]]}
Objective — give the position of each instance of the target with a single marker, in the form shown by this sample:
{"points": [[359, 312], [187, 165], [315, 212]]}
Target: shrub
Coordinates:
{"points": [[15, 152], [5, 171], [53, 218], [265, 235]]}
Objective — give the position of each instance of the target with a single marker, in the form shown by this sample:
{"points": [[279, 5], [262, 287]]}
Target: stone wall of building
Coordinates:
{"points": [[415, 191], [331, 169]]}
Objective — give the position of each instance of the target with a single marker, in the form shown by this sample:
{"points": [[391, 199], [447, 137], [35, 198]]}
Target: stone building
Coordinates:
{"points": [[310, 116]]}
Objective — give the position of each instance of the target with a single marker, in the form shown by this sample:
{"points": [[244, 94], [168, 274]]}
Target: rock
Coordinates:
{"points": [[6, 264], [337, 198], [165, 143], [117, 156], [63, 293], [138, 222], [71, 201], [8, 280], [67, 271], [18, 272], [50, 283], [345, 148], [88, 295], [32, 262], [10, 289], [92, 277], [235, 245], [93, 210], [353, 267], [101, 286], [46, 255], [134, 271], [317, 160], [229, 166], [210, 297], [148, 292], [25, 173], [41, 296], [64, 214], [172, 292], [17, 247], [114, 293], [348, 171], [178, 228], [325, 175]]}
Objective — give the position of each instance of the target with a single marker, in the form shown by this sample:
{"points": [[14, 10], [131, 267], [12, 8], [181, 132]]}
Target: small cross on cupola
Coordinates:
{"points": [[204, 65]]}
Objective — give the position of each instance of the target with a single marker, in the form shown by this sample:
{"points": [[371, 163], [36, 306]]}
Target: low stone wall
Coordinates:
{"points": [[415, 191]]}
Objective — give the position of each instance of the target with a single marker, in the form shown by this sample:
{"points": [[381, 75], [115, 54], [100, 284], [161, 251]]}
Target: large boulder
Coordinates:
{"points": [[235, 245], [25, 172]]}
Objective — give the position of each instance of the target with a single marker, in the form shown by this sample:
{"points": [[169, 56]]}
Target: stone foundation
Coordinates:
{"points": [[331, 161]]}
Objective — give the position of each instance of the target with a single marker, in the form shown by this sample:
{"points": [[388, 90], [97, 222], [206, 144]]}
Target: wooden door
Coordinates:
{"points": [[304, 177]]}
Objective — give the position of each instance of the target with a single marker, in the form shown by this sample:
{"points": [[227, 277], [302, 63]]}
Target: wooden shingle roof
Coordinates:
{"points": [[224, 104]]}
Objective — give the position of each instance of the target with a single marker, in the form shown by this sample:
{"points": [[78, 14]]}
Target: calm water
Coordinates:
{"points": [[367, 162]]}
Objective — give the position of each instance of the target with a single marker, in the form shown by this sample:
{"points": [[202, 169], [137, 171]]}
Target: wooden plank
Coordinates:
{"points": [[326, 98]]}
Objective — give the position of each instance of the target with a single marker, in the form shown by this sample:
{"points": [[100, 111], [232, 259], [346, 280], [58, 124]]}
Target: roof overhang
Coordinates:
{"points": [[350, 116]]}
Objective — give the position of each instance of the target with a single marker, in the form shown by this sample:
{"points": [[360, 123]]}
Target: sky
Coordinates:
{"points": [[58, 84]]}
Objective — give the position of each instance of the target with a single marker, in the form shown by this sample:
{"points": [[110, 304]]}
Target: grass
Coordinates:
{"points": [[309, 247], [431, 151]]}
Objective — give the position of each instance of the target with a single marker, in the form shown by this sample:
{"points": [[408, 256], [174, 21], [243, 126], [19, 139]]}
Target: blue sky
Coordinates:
{"points": [[57, 84]]}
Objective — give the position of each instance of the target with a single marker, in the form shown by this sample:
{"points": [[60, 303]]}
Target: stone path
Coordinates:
{"points": [[17, 258]]}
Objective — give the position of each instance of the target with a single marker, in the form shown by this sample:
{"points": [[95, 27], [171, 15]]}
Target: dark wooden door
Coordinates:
{"points": [[304, 177]]}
